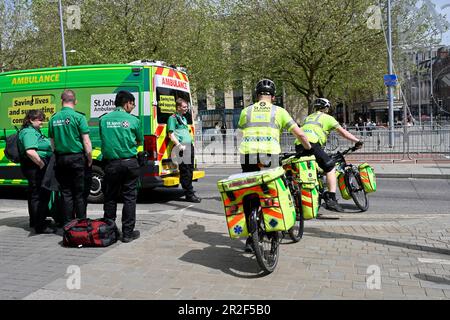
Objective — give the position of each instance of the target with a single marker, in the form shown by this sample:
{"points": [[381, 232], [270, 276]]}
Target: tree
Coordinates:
{"points": [[318, 47], [176, 31], [14, 31]]}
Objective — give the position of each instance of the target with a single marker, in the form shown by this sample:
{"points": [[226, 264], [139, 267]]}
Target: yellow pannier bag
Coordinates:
{"points": [[275, 200], [310, 201], [304, 169], [342, 186], [367, 177]]}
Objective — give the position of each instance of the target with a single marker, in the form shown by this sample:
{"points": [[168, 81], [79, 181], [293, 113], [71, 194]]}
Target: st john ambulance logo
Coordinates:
{"points": [[125, 124], [67, 121]]}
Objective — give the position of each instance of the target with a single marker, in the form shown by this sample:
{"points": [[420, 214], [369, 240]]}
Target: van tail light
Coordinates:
{"points": [[150, 147]]}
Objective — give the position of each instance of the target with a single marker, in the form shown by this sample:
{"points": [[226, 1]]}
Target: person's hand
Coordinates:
{"points": [[359, 144], [43, 163]]}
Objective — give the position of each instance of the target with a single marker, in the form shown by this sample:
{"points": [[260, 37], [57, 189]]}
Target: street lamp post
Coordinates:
{"points": [[390, 71], [431, 86], [62, 33], [420, 97]]}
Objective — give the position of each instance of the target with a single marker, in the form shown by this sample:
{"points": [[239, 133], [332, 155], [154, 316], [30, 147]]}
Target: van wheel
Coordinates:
{"points": [[96, 194]]}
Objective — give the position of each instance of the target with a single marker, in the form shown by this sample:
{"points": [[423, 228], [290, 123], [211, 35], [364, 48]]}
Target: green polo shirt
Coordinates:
{"points": [[66, 128], [31, 138], [120, 133], [179, 126]]}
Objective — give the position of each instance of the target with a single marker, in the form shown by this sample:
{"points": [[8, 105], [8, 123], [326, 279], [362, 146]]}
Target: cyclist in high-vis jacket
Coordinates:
{"points": [[262, 124], [317, 126]]}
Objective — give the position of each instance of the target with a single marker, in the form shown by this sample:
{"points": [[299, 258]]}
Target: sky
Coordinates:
{"points": [[443, 7]]}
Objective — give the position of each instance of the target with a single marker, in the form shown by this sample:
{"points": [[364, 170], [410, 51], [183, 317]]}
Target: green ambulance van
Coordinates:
{"points": [[155, 85]]}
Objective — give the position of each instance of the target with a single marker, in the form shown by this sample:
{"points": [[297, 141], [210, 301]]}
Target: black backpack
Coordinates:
{"points": [[12, 147]]}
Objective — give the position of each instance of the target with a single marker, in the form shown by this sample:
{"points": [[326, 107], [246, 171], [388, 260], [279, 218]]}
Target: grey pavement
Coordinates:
{"points": [[29, 261], [185, 254]]}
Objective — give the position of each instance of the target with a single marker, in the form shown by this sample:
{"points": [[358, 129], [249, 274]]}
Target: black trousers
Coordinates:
{"points": [[186, 167], [38, 197], [121, 177], [249, 162], [70, 172], [323, 159]]}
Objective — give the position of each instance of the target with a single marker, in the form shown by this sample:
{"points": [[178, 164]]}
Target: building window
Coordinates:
{"points": [[238, 94], [219, 98], [201, 100]]}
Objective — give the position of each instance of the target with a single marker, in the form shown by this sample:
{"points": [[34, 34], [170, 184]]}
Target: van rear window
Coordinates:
{"points": [[166, 103]]}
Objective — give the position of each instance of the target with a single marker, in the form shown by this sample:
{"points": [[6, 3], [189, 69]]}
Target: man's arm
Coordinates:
{"points": [[175, 141], [87, 148], [347, 135], [300, 134], [170, 128]]}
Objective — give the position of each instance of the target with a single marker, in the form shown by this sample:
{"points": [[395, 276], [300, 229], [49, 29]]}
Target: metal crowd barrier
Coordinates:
{"points": [[412, 143]]}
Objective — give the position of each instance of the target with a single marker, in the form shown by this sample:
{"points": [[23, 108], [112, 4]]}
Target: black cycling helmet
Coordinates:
{"points": [[265, 87], [321, 103]]}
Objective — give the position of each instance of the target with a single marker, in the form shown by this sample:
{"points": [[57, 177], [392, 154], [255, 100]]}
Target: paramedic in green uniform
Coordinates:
{"points": [[35, 151], [262, 124], [69, 134], [120, 133], [317, 126], [179, 133]]}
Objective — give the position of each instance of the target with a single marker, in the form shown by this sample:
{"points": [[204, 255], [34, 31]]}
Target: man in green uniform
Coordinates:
{"points": [[69, 134], [179, 133], [317, 126], [262, 125], [121, 133]]}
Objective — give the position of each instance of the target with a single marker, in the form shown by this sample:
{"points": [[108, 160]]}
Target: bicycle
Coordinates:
{"points": [[351, 180], [266, 245], [296, 232]]}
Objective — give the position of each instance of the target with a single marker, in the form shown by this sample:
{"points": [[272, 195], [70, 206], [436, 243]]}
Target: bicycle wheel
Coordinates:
{"points": [[296, 232], [321, 189], [356, 190], [265, 244]]}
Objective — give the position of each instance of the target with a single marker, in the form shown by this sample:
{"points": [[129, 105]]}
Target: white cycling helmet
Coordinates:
{"points": [[321, 103]]}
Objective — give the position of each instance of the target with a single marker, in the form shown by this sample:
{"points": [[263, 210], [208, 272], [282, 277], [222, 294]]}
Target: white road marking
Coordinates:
{"points": [[186, 208], [437, 261]]}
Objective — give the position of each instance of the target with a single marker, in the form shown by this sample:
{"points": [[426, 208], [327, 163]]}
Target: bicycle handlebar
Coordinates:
{"points": [[287, 155], [337, 155], [349, 150]]}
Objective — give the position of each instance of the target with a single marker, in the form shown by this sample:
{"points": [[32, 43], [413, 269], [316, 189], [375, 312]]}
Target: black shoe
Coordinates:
{"points": [[130, 237], [194, 199], [249, 246], [333, 205], [46, 230]]}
